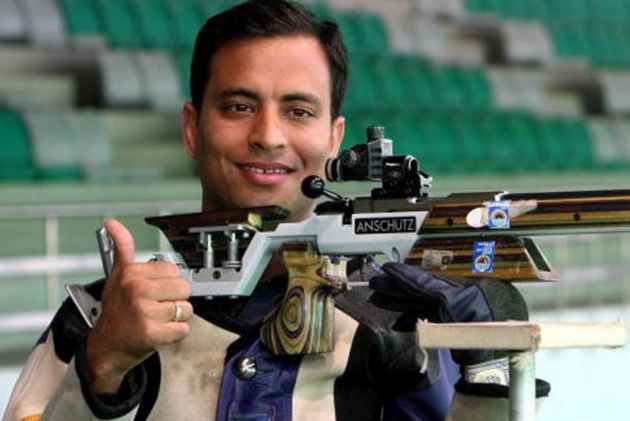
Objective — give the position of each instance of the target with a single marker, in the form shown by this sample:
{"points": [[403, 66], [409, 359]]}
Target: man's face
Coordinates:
{"points": [[265, 124]]}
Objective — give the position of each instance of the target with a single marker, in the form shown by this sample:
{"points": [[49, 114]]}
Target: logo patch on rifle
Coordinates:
{"points": [[499, 215], [483, 257], [392, 225]]}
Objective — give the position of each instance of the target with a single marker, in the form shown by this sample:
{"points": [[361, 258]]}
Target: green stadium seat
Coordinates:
{"points": [[448, 82], [363, 83], [580, 145], [15, 151], [469, 154], [351, 35], [183, 60], [553, 140], [419, 76], [563, 9], [527, 10], [477, 92], [395, 92], [187, 18], [569, 38], [522, 137], [610, 10], [602, 48], [15, 143], [533, 155], [480, 6], [363, 32], [373, 32], [501, 156], [81, 17], [210, 8], [121, 28], [321, 10], [434, 144], [154, 23]]}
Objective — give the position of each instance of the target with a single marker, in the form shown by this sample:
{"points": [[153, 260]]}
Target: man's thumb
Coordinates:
{"points": [[124, 248]]}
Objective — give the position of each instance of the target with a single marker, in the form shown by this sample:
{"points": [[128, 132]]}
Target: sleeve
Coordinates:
{"points": [[53, 383]]}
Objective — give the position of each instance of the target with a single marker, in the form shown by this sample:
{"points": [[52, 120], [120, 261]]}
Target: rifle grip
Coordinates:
{"points": [[304, 322]]}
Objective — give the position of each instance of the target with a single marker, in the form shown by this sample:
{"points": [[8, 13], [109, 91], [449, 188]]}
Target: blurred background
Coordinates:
{"points": [[518, 95]]}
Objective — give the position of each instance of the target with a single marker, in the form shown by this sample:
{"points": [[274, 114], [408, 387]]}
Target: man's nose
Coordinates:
{"points": [[267, 133]]}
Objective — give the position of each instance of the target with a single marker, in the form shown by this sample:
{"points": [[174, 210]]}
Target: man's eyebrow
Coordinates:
{"points": [[247, 93], [301, 96]]}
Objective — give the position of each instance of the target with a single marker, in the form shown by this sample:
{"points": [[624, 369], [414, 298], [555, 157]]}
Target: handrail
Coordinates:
{"points": [[144, 208]]}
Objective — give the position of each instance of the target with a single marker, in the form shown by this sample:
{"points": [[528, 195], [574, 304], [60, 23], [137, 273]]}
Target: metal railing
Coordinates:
{"points": [[53, 264]]}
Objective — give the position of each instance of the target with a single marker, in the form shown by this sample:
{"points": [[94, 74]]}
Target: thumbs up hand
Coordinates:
{"points": [[144, 306]]}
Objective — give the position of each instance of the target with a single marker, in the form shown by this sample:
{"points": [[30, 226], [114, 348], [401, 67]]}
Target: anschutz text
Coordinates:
{"points": [[385, 225]]}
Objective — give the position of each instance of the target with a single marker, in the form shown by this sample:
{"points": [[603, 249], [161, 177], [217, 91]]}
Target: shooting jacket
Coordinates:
{"points": [[376, 372]]}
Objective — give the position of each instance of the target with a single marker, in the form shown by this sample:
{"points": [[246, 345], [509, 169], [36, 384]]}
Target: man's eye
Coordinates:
{"points": [[238, 108], [300, 113]]}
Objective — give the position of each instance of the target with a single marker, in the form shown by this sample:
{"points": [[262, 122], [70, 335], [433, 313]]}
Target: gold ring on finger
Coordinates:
{"points": [[178, 312]]}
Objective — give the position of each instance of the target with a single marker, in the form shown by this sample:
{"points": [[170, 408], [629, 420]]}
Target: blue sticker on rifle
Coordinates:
{"points": [[483, 257], [499, 215]]}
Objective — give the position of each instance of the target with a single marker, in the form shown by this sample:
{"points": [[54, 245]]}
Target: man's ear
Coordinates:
{"points": [[338, 131], [190, 130]]}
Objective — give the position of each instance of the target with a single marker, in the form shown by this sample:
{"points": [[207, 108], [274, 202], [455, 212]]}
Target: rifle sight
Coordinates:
{"points": [[375, 161]]}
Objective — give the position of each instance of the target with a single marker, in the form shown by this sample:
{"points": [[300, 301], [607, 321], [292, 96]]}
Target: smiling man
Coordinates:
{"points": [[266, 121], [267, 83]]}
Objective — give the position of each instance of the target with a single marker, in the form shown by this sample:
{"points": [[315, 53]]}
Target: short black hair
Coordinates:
{"points": [[268, 18]]}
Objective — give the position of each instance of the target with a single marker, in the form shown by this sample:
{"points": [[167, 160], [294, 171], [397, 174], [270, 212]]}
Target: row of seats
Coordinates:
{"points": [[161, 24], [605, 44], [597, 30], [173, 24], [401, 82], [381, 81], [91, 145]]}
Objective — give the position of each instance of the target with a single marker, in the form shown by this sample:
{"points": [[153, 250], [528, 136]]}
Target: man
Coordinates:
{"points": [[267, 83]]}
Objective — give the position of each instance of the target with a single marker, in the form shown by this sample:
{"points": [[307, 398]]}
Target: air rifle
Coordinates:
{"points": [[469, 235], [463, 235]]}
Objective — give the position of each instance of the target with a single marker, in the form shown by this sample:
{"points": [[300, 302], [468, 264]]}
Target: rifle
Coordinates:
{"points": [[463, 235]]}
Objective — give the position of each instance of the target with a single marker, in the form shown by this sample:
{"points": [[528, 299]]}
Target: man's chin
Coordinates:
{"points": [[257, 202], [298, 210]]}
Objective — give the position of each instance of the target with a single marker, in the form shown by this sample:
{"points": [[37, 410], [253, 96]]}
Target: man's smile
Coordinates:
{"points": [[265, 173]]}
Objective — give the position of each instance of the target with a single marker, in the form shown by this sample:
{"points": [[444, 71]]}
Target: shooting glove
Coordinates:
{"points": [[419, 293]]}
